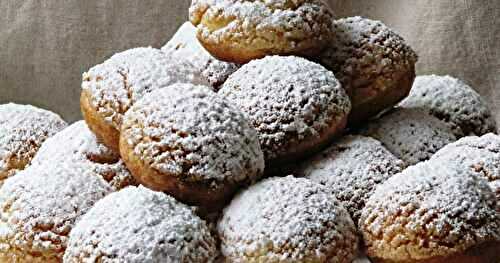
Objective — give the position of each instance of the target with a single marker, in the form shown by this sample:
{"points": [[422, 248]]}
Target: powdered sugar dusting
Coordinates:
{"points": [[287, 220], [23, 129], [40, 206], [480, 155], [273, 24], [127, 76], [288, 100], [410, 134], [364, 51], [77, 147], [351, 169], [453, 101], [184, 46], [429, 210], [190, 132], [140, 225]]}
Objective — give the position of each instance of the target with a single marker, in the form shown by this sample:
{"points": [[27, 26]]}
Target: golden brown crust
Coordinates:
{"points": [[227, 51], [18, 256], [370, 100], [163, 146], [484, 253], [199, 194], [240, 31], [308, 147], [13, 165], [103, 130]]}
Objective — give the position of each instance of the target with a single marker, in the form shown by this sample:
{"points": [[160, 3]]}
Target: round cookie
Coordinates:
{"points": [[453, 101], [184, 46], [191, 143], [139, 225], [351, 169], [432, 213], [111, 88], [481, 155], [373, 63], [39, 207], [287, 219], [410, 134], [77, 147], [23, 129], [297, 106], [243, 30]]}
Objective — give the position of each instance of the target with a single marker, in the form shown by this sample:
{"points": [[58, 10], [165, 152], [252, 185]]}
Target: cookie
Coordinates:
{"points": [[23, 129], [351, 169], [374, 64], [432, 213], [184, 46], [451, 100], [287, 219], [139, 225], [297, 106], [111, 88], [191, 143], [40, 205], [242, 30], [78, 148], [410, 134], [481, 155]]}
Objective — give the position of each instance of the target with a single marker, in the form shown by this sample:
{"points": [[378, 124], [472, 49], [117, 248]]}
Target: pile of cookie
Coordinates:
{"points": [[263, 131]]}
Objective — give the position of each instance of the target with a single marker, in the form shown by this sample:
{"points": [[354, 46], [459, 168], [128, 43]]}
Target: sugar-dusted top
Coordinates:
{"points": [[77, 147], [365, 50], [287, 219], [127, 76], [139, 225], [351, 169], [40, 206], [249, 22], [190, 132], [287, 99], [184, 46], [429, 210], [453, 101], [481, 155], [410, 134], [23, 129]]}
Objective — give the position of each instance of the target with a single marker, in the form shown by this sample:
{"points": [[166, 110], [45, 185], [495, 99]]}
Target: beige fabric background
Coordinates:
{"points": [[45, 46]]}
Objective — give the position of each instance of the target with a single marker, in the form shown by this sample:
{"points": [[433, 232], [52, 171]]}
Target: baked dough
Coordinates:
{"points": [[191, 143], [297, 106], [242, 30], [432, 213], [111, 88], [184, 46], [351, 169], [287, 219], [374, 64], [40, 205], [451, 100], [23, 129], [410, 134], [139, 225]]}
